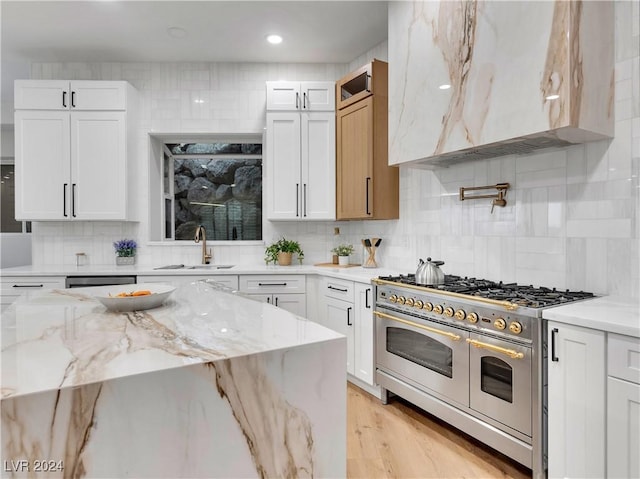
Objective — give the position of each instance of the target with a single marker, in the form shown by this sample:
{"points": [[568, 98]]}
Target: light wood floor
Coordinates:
{"points": [[400, 441]]}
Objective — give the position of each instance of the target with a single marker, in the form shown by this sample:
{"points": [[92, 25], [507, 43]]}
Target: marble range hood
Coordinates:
{"points": [[523, 75]]}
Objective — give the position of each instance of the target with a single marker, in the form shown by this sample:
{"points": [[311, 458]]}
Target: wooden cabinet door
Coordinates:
{"points": [[354, 161], [318, 157], [43, 183], [577, 381], [339, 317], [98, 166], [283, 182]]}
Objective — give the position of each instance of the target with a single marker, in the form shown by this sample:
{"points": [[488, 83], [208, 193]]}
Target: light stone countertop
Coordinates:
{"points": [[613, 314], [61, 338]]}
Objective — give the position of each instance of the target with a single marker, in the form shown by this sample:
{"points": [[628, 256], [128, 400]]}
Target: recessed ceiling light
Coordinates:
{"points": [[274, 39], [446, 86], [177, 32], [553, 97]]}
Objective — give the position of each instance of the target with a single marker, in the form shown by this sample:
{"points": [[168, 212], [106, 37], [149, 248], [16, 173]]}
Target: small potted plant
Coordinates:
{"points": [[125, 251], [343, 251], [281, 252]]}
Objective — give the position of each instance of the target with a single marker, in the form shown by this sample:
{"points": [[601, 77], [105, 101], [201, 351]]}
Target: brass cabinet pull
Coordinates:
{"points": [[451, 336], [509, 352]]}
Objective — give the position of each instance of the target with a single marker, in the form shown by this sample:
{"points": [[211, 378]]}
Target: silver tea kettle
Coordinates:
{"points": [[429, 272]]}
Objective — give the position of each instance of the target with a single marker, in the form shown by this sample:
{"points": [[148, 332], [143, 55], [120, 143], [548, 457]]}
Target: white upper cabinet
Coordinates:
{"points": [[73, 165], [70, 95], [307, 96], [300, 156]]}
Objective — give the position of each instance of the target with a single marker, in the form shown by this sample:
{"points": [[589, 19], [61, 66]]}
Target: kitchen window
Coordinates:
{"points": [[7, 190], [214, 183]]}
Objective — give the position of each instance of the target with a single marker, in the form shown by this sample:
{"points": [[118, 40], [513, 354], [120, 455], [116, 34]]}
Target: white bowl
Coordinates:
{"points": [[159, 293]]}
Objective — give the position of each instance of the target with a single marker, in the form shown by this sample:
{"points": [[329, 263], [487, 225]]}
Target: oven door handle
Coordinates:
{"points": [[497, 349], [451, 336]]}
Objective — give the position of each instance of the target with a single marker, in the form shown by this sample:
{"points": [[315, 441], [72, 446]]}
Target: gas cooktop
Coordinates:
{"points": [[529, 296]]}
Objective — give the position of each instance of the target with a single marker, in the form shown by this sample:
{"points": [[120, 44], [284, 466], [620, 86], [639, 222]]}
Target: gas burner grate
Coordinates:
{"points": [[527, 296]]}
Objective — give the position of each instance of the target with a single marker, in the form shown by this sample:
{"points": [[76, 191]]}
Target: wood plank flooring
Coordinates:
{"points": [[401, 441]]}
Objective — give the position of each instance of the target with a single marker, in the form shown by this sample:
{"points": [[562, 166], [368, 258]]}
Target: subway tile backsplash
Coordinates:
{"points": [[572, 214]]}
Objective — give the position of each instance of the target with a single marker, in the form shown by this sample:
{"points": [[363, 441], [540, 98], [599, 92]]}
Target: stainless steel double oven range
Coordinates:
{"points": [[470, 352]]}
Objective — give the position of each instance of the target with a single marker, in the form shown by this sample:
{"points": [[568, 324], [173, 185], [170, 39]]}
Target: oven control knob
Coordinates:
{"points": [[460, 315], [448, 311], [393, 298], [500, 323], [401, 299], [438, 309], [472, 317], [515, 327], [409, 302], [428, 306], [418, 304]]}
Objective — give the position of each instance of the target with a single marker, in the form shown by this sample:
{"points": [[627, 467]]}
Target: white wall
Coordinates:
{"points": [[571, 221]]}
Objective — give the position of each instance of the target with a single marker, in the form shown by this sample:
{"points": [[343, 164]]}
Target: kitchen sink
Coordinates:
{"points": [[197, 266]]}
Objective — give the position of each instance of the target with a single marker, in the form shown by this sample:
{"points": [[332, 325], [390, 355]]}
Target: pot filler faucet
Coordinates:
{"points": [[201, 234]]}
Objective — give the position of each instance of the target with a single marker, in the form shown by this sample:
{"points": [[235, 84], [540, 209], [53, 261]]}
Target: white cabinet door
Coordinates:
{"points": [[98, 95], [364, 367], [283, 166], [43, 172], [294, 303], [318, 143], [41, 95], [309, 96], [576, 404], [98, 166], [623, 428], [339, 316]]}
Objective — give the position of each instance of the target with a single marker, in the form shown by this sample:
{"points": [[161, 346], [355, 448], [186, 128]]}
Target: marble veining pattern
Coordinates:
{"points": [[62, 383]]}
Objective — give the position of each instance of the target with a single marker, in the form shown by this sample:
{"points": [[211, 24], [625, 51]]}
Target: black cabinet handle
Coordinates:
{"points": [[73, 99], [367, 83], [348, 316], [337, 289], [276, 301], [272, 284], [28, 285], [297, 199], [297, 100], [304, 100], [64, 200], [73, 199], [554, 331], [367, 187], [64, 99], [304, 200], [366, 298], [269, 300]]}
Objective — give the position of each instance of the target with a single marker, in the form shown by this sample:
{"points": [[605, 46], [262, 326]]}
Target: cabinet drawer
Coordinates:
{"points": [[624, 357], [276, 283], [13, 287], [339, 289]]}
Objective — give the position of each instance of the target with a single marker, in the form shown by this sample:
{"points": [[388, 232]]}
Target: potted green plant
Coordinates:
{"points": [[343, 251], [125, 251], [281, 252]]}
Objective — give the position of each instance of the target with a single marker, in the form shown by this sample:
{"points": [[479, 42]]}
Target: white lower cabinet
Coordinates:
{"points": [[576, 402], [339, 316], [228, 280], [284, 291], [13, 287], [623, 406], [365, 331]]}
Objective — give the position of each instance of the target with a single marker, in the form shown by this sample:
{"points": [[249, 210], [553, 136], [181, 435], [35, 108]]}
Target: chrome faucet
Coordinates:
{"points": [[201, 234]]}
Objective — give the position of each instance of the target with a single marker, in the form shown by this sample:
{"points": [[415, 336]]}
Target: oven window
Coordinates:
{"points": [[420, 349], [497, 378]]}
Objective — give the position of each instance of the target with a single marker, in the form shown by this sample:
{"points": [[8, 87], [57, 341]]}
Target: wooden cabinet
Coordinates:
{"points": [[623, 406], [366, 186], [300, 166], [576, 402], [370, 79], [296, 96], [285, 291], [71, 163], [12, 287]]}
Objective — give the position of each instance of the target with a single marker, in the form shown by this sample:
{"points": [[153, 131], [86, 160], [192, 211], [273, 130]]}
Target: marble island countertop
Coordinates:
{"points": [[66, 338], [210, 385]]}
